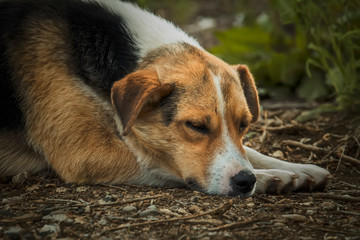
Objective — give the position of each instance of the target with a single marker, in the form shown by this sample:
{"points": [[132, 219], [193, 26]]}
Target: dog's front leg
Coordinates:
{"points": [[277, 176]]}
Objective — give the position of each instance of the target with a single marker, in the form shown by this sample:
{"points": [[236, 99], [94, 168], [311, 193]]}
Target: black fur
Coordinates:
{"points": [[168, 106], [12, 15], [101, 49], [104, 52]]}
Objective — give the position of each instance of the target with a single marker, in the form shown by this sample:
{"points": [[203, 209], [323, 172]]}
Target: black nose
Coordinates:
{"points": [[242, 183]]}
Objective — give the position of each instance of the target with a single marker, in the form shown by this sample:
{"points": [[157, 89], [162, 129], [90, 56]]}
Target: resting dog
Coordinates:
{"points": [[104, 92]]}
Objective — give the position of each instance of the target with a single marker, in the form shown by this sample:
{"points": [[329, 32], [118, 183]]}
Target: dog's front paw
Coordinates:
{"points": [[296, 177], [275, 181], [311, 177]]}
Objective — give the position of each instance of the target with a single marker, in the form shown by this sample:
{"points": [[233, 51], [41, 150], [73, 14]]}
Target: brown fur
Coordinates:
{"points": [[65, 121], [74, 129], [175, 147]]}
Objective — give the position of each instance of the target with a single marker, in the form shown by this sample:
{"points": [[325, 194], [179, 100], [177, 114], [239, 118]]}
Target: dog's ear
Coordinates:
{"points": [[251, 94], [129, 95]]}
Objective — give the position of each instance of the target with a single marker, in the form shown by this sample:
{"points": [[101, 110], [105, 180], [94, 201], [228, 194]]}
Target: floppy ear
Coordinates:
{"points": [[251, 94], [129, 95]]}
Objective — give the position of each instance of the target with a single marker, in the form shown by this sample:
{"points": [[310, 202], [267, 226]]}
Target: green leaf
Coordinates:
{"points": [[312, 61], [312, 89]]}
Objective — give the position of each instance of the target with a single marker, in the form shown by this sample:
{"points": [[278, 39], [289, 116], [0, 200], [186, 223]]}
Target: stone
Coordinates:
{"points": [[328, 206], [60, 190], [278, 154], [48, 229], [152, 207], [103, 222], [14, 232], [150, 211], [55, 217], [81, 189], [129, 208]]}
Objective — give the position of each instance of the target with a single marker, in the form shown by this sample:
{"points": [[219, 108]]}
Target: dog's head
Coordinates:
{"points": [[184, 113]]}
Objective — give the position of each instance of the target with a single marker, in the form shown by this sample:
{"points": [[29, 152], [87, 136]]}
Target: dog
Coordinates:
{"points": [[104, 92]]}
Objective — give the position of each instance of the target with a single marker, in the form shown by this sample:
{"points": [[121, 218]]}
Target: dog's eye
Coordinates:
{"points": [[242, 127], [198, 127]]}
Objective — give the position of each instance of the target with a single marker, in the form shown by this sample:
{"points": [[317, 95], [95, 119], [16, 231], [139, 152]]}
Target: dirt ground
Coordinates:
{"points": [[44, 207]]}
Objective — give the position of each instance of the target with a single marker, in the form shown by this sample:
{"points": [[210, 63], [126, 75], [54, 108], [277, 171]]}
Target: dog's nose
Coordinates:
{"points": [[242, 183]]}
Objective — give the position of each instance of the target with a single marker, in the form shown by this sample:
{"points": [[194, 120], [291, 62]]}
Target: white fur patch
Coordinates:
{"points": [[148, 30], [280, 169], [228, 160]]}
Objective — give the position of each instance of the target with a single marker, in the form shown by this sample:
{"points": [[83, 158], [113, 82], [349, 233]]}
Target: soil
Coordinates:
{"points": [[44, 207]]}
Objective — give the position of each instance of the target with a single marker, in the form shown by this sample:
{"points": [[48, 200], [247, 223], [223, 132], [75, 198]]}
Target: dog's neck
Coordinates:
{"points": [[148, 31]]}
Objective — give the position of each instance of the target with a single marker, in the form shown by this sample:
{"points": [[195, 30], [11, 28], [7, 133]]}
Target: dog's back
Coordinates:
{"points": [[58, 61]]}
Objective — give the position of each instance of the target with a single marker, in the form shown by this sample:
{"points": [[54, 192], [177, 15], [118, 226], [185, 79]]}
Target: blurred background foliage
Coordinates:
{"points": [[294, 48]]}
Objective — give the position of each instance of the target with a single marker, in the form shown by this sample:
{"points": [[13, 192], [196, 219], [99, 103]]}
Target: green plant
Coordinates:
{"points": [[275, 56], [333, 33], [306, 47]]}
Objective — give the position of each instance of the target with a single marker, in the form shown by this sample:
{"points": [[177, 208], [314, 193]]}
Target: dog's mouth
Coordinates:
{"points": [[194, 185]]}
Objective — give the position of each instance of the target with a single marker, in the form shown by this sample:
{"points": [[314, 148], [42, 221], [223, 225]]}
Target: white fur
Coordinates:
{"points": [[275, 178], [228, 161], [304, 172], [148, 30]]}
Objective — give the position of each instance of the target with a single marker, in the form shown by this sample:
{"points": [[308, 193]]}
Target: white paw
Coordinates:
{"points": [[291, 177], [275, 181], [311, 177]]}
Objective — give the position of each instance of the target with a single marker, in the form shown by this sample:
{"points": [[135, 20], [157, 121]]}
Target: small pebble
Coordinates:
{"points": [[102, 201], [149, 212], [279, 224], [151, 207], [81, 189], [250, 204], [103, 222], [328, 206], [49, 229], [57, 218], [310, 212], [278, 154], [32, 188], [14, 232], [60, 190], [129, 208]]}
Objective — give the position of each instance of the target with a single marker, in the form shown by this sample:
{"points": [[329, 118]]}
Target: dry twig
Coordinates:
{"points": [[23, 218], [292, 127], [124, 202], [349, 184], [238, 224], [113, 186], [318, 149], [220, 210], [343, 231], [336, 197]]}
